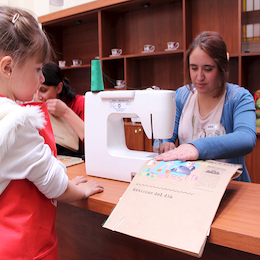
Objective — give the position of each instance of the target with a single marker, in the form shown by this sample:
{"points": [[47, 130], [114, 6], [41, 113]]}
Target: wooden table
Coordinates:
{"points": [[235, 231]]}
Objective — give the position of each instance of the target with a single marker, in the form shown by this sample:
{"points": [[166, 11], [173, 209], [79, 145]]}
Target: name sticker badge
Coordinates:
{"points": [[212, 127]]}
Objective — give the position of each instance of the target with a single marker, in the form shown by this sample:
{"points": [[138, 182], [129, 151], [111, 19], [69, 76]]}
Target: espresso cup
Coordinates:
{"points": [[76, 62], [173, 45], [149, 48], [62, 63], [116, 52]]}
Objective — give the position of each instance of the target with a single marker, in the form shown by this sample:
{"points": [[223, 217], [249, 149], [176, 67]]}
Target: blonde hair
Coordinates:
{"points": [[21, 37]]}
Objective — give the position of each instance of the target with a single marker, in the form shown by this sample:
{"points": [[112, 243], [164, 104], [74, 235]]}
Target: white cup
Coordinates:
{"points": [[173, 45], [120, 83], [62, 63], [149, 48], [76, 62], [116, 52]]}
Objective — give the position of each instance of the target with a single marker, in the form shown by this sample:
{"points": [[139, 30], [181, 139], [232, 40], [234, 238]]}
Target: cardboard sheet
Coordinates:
{"points": [[64, 134], [69, 160], [173, 203]]}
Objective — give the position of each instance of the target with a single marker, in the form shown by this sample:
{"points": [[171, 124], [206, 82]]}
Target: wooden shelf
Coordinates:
{"points": [[74, 12], [250, 17], [143, 54], [250, 54], [93, 29], [76, 67]]}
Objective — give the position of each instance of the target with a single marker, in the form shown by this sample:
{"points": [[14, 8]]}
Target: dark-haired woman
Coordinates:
{"points": [[63, 101], [214, 119]]}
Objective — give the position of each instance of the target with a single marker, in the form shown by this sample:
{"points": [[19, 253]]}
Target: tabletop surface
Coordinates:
{"points": [[236, 224]]}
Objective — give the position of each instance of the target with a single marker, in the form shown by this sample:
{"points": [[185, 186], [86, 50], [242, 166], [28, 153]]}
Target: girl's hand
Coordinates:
{"points": [[90, 187], [79, 179], [184, 152]]}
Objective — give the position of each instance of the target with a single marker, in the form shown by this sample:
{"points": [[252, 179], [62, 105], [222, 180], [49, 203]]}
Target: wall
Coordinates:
{"points": [[42, 7]]}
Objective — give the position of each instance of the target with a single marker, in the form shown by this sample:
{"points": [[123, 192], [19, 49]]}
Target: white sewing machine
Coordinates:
{"points": [[106, 153]]}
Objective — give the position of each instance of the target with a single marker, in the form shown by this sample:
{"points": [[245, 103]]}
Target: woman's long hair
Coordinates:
{"points": [[213, 44], [53, 77]]}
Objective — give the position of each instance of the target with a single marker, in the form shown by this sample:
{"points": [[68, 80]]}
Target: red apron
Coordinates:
{"points": [[27, 217]]}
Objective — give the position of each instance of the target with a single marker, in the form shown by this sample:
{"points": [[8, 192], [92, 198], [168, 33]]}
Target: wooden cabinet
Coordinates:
{"points": [[91, 30], [136, 138], [253, 161]]}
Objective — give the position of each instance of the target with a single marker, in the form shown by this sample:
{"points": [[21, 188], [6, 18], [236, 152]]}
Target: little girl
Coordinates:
{"points": [[30, 175]]}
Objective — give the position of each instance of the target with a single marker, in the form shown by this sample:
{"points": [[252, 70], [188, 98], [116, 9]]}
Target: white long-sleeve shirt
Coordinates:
{"points": [[23, 153]]}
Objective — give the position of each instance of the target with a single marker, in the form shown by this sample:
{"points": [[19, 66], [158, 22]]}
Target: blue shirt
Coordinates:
{"points": [[239, 120]]}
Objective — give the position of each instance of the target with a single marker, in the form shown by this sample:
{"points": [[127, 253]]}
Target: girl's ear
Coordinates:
{"points": [[59, 88], [6, 66]]}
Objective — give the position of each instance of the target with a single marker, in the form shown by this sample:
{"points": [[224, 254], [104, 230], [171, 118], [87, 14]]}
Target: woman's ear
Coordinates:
{"points": [[59, 88], [6, 66], [228, 56]]}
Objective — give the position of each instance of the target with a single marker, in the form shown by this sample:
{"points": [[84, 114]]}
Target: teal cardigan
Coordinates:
{"points": [[239, 121]]}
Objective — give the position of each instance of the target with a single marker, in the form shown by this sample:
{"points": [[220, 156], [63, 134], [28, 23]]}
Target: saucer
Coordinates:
{"points": [[147, 51], [171, 49], [114, 55], [119, 87]]}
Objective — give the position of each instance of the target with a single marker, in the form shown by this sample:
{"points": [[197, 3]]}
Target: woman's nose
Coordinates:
{"points": [[200, 75]]}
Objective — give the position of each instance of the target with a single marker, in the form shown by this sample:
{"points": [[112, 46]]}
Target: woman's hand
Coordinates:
{"points": [[165, 147], [57, 107], [184, 152]]}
